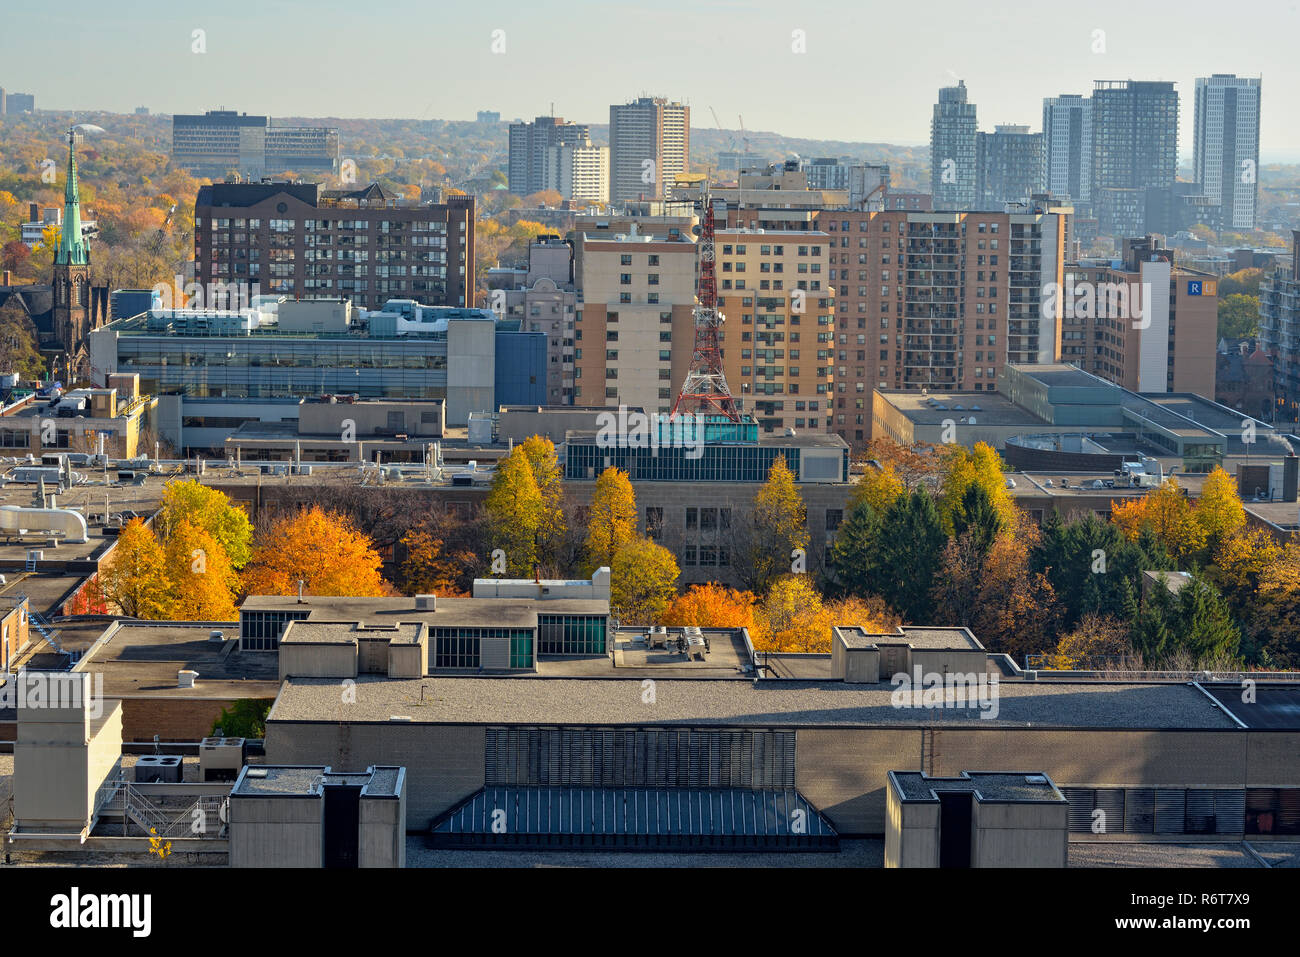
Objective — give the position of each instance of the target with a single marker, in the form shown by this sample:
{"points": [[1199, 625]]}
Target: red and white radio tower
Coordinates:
{"points": [[705, 386]]}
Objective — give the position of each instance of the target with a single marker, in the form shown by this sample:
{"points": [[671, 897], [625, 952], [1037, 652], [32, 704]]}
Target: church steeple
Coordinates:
{"points": [[73, 250]]}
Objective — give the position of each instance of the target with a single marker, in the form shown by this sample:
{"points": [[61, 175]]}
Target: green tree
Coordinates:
{"points": [[541, 456], [909, 555], [853, 553], [1238, 316], [975, 514], [245, 718]]}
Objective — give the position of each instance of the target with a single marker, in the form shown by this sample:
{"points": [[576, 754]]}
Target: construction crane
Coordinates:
{"points": [[705, 386]]}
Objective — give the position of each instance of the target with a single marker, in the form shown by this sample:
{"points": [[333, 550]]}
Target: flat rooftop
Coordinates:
{"points": [[142, 659], [727, 657], [450, 612], [347, 632], [989, 408], [934, 639], [280, 780], [551, 701], [990, 786]]}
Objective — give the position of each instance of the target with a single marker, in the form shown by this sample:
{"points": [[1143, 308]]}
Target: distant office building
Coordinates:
{"points": [[543, 299], [15, 103], [953, 150], [736, 161], [1225, 159], [1067, 147], [1134, 148], [827, 173], [1279, 322], [142, 111], [649, 146], [577, 170], [526, 171], [296, 239], [217, 369], [222, 141], [488, 116], [1009, 166], [1140, 321], [1180, 206]]}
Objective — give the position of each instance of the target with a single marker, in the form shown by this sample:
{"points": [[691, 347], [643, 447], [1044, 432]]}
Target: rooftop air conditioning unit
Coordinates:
{"points": [[159, 768]]}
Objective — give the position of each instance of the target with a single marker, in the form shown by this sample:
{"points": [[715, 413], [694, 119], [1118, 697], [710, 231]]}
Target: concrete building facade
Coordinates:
{"points": [[649, 147], [1225, 159]]}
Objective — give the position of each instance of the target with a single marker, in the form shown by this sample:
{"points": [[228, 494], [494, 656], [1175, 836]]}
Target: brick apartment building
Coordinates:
{"points": [[298, 240], [1142, 322], [936, 300]]}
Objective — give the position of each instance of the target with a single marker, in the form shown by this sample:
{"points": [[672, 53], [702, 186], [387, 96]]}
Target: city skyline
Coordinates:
{"points": [[738, 59]]}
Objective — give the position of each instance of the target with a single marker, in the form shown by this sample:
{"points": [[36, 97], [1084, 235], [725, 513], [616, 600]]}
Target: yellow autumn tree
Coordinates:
{"points": [[878, 488], [540, 453], [792, 618], [1219, 511], [1240, 561], [1168, 514], [201, 581], [323, 550], [611, 520], [516, 513], [134, 578], [961, 468], [775, 531], [212, 511], [642, 581]]}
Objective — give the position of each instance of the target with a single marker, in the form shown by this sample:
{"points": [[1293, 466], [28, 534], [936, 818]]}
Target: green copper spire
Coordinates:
{"points": [[72, 249]]}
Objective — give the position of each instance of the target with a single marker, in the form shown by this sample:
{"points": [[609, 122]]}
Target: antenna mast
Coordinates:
{"points": [[705, 386]]}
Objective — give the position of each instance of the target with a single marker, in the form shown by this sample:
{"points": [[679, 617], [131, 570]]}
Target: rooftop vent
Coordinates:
{"points": [[185, 678], [257, 772], [426, 602], [1035, 779], [399, 717], [216, 635]]}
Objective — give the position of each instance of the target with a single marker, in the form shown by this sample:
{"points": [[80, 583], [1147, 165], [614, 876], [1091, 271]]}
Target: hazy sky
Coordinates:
{"points": [[870, 71]]}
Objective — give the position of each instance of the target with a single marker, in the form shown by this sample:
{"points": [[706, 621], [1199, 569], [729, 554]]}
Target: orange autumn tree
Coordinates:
{"points": [[711, 606], [202, 581], [323, 550], [428, 570]]}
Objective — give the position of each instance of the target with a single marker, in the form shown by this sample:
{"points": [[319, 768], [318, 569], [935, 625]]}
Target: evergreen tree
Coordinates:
{"points": [[977, 515], [909, 555], [853, 553]]}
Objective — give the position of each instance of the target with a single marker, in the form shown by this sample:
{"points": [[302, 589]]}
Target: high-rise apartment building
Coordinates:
{"points": [[1142, 322], [15, 103], [1134, 148], [297, 240], [1009, 167], [222, 141], [1279, 324], [1067, 147], [775, 294], [635, 327], [936, 300], [1225, 158], [649, 146], [526, 170], [577, 170], [953, 150]]}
